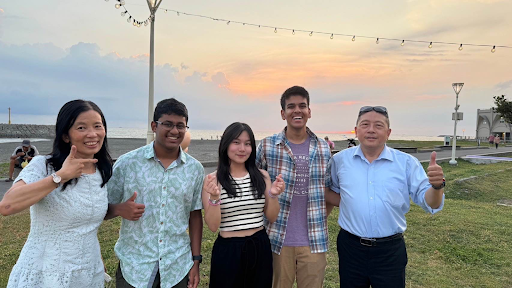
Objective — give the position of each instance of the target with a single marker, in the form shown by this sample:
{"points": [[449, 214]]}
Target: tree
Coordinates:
{"points": [[503, 107]]}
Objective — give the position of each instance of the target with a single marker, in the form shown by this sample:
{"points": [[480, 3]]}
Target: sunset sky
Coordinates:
{"points": [[54, 51]]}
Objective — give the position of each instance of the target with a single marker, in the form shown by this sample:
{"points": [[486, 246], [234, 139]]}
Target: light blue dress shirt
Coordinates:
{"points": [[375, 196]]}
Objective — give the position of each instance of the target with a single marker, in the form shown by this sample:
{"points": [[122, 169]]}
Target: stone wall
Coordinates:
{"points": [[27, 131]]}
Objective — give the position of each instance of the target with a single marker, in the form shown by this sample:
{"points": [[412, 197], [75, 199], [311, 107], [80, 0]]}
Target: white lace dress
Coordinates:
{"points": [[62, 248]]}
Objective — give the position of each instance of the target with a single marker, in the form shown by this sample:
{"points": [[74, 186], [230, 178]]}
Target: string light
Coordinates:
{"points": [[121, 3]]}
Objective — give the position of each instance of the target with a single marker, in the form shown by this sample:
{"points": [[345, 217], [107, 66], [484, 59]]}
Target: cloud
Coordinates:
{"points": [[503, 85], [220, 79], [183, 66]]}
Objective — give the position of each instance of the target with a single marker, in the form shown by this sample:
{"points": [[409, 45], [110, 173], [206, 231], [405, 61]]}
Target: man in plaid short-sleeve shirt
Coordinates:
{"points": [[299, 236]]}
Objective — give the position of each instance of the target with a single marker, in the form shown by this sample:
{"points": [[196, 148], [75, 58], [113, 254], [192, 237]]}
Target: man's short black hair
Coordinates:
{"points": [[294, 91], [169, 107]]}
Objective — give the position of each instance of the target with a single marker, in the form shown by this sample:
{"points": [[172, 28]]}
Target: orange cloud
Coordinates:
{"points": [[430, 97], [1, 10]]}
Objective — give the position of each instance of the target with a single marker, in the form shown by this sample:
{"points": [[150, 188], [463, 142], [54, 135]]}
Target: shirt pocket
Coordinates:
{"points": [[394, 195]]}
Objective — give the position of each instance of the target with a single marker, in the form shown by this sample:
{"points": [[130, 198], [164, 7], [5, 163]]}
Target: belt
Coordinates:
{"points": [[365, 241]]}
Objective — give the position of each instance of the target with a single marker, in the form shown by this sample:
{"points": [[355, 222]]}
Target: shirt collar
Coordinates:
{"points": [[150, 153], [281, 137], [385, 154]]}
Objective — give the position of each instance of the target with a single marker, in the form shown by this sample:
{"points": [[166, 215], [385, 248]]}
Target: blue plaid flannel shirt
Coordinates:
{"points": [[275, 156]]}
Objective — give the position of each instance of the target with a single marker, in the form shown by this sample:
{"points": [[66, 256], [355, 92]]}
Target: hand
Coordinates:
{"points": [[20, 154], [434, 171], [130, 210], [72, 167], [278, 186], [193, 276], [211, 187]]}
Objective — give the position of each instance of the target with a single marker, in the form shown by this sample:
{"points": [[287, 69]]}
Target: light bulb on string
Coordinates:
{"points": [[122, 2], [138, 24], [403, 43], [460, 47], [177, 13], [377, 41], [165, 11], [118, 6], [293, 32], [146, 23], [430, 45], [228, 22], [129, 19], [493, 49], [134, 22], [275, 30], [106, 0], [123, 13], [311, 34], [354, 38], [332, 36]]}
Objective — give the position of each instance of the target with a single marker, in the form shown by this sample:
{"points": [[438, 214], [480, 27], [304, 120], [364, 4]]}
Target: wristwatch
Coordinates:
{"points": [[198, 258], [56, 179], [440, 186]]}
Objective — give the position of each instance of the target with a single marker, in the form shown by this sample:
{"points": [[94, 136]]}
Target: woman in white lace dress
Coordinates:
{"points": [[67, 196]]}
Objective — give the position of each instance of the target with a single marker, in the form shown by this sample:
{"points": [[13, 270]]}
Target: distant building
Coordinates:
{"points": [[489, 122]]}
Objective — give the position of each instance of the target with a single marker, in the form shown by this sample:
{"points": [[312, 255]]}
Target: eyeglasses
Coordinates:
{"points": [[169, 126], [379, 109]]}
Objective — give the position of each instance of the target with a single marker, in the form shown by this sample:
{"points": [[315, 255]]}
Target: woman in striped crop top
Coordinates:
{"points": [[236, 198]]}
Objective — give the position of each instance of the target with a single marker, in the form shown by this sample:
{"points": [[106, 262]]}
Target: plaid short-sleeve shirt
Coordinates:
{"points": [[275, 156]]}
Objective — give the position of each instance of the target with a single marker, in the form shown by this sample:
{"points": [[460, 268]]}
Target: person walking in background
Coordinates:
{"points": [[23, 153], [329, 142], [67, 197], [491, 140], [299, 236], [161, 186], [372, 184], [497, 140], [236, 197]]}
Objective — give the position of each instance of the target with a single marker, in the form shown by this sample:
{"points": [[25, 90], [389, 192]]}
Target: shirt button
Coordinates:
{"points": [[163, 205], [161, 223], [160, 259], [160, 241], [371, 198], [164, 187]]}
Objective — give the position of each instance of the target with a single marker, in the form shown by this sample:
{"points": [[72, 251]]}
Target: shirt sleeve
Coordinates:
{"points": [[197, 203], [34, 171], [418, 186], [115, 185], [331, 177], [261, 163], [15, 150], [36, 152]]}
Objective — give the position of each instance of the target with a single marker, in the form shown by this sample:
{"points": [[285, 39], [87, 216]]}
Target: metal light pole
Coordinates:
{"points": [[153, 7], [456, 87], [9, 115]]}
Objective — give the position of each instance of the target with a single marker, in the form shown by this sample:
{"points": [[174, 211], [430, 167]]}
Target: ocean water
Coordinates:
{"points": [[118, 132]]}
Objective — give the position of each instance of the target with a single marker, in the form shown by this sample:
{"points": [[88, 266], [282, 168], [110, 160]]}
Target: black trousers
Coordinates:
{"points": [[121, 282], [242, 262], [380, 266]]}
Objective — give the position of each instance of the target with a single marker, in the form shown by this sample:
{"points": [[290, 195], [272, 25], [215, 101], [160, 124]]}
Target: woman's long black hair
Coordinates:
{"points": [[65, 120], [223, 169]]}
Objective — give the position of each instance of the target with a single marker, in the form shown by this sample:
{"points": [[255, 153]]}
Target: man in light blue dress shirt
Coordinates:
{"points": [[372, 184]]}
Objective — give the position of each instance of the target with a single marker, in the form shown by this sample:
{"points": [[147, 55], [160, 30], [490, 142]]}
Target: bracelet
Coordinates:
{"points": [[271, 195], [214, 202]]}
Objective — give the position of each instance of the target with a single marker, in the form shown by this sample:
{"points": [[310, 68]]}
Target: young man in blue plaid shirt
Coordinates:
{"points": [[299, 236]]}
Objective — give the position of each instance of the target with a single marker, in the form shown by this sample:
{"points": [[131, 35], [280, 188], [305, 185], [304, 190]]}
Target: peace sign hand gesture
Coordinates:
{"points": [[72, 167]]}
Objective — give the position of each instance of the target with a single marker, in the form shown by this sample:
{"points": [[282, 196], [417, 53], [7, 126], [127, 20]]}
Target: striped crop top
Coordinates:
{"points": [[243, 211]]}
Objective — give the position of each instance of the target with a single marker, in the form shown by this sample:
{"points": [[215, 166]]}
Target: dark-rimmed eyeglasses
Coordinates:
{"points": [[169, 126], [379, 109]]}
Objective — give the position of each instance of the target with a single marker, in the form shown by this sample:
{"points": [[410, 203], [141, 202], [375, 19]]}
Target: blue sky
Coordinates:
{"points": [[54, 51]]}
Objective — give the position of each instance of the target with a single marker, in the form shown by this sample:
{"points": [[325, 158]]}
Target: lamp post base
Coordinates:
{"points": [[453, 162]]}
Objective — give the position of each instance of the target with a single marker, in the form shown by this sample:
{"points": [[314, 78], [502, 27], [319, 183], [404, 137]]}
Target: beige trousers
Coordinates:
{"points": [[299, 263]]}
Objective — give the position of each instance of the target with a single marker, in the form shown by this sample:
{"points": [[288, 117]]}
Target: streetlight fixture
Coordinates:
{"points": [[153, 7], [456, 87]]}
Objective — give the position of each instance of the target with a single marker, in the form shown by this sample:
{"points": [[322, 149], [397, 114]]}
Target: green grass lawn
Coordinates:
{"points": [[468, 244]]}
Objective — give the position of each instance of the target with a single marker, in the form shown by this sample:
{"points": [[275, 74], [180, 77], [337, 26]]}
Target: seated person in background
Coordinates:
{"points": [[329, 142], [21, 153]]}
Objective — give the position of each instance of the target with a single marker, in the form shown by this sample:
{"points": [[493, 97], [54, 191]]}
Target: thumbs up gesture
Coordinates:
{"points": [[211, 187], [130, 210], [73, 167], [278, 186], [435, 172]]}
